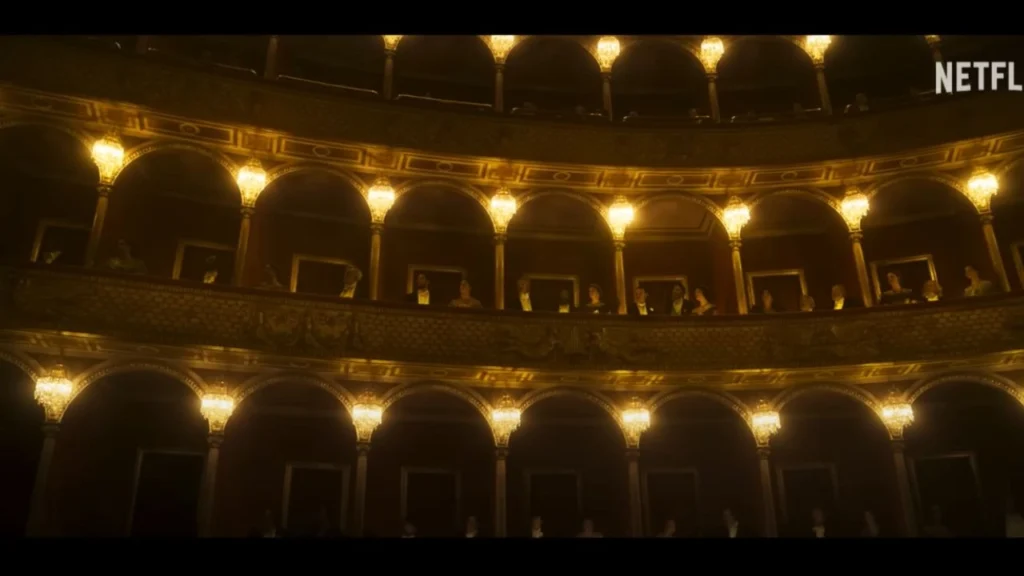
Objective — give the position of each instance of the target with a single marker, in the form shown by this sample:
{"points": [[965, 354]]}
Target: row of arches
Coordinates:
{"points": [[282, 426]]}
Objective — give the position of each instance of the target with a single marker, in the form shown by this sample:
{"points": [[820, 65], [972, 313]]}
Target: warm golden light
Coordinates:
{"points": [[620, 216], [505, 419], [855, 207], [217, 408], [897, 414], [711, 51], [736, 216], [380, 198], [816, 46], [932, 39], [765, 423], [108, 154], [608, 49], [503, 208], [53, 392], [391, 42], [982, 186], [367, 414], [251, 179], [501, 46], [636, 419]]}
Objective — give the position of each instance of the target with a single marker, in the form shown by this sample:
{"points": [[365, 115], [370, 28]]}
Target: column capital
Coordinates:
{"points": [[104, 190], [362, 448], [51, 429], [248, 211], [856, 235], [819, 66], [986, 217], [633, 454], [500, 237], [501, 452], [606, 75], [711, 76], [897, 444], [620, 245], [215, 440], [499, 66], [376, 227], [389, 53], [763, 452], [735, 243]]}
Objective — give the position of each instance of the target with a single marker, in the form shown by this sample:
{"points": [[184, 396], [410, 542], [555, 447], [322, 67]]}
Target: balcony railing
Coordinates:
{"points": [[154, 311]]}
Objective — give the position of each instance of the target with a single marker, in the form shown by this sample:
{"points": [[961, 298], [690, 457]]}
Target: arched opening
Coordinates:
{"points": [[432, 466], [289, 449], [658, 77], [332, 62], [21, 438], [1008, 209], [559, 243], [698, 459], [676, 233], [796, 244], [565, 464], [886, 69], [445, 67], [49, 194], [917, 221], [554, 75], [765, 76], [832, 453], [965, 452], [129, 459], [444, 234], [173, 202], [309, 226], [244, 56]]}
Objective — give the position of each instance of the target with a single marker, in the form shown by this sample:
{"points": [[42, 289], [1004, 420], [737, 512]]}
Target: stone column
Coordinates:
{"points": [[389, 72], [636, 515], [737, 273], [606, 92], [99, 216], [37, 516], [993, 251], [771, 529], [209, 485], [362, 452], [862, 268], [826, 102], [716, 114], [243, 246], [935, 43], [620, 276], [908, 518], [500, 501], [499, 272], [375, 230], [499, 87], [270, 66]]}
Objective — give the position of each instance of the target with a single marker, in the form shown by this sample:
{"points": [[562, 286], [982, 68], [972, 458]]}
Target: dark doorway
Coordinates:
{"points": [[555, 497], [166, 501], [804, 488], [430, 501], [671, 494], [310, 489], [950, 481]]}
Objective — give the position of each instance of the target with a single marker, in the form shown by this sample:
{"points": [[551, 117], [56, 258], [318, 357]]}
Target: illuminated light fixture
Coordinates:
{"points": [[251, 179], [854, 208], [932, 39], [608, 49], [816, 46], [501, 46], [503, 208], [897, 414], [765, 423], [367, 414], [982, 186], [620, 216], [217, 408], [391, 42], [108, 154], [380, 198], [53, 392], [711, 51], [505, 418], [636, 419], [736, 216]]}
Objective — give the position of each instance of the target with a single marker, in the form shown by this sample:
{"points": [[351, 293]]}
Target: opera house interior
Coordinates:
{"points": [[446, 286]]}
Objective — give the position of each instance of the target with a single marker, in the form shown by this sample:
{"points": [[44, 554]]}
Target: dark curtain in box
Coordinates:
{"points": [[314, 491], [950, 484], [70, 242], [432, 503], [322, 278], [555, 498], [167, 495], [673, 496], [805, 490]]}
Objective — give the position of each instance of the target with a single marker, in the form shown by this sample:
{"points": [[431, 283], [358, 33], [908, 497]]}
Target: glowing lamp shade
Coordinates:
{"points": [[735, 217], [711, 51], [391, 41], [366, 416], [608, 49], [636, 419], [982, 186], [816, 46], [897, 414], [620, 216], [765, 423], [380, 198], [855, 207], [503, 208], [932, 39], [505, 418], [108, 154], [251, 179], [501, 46], [217, 409], [53, 392]]}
